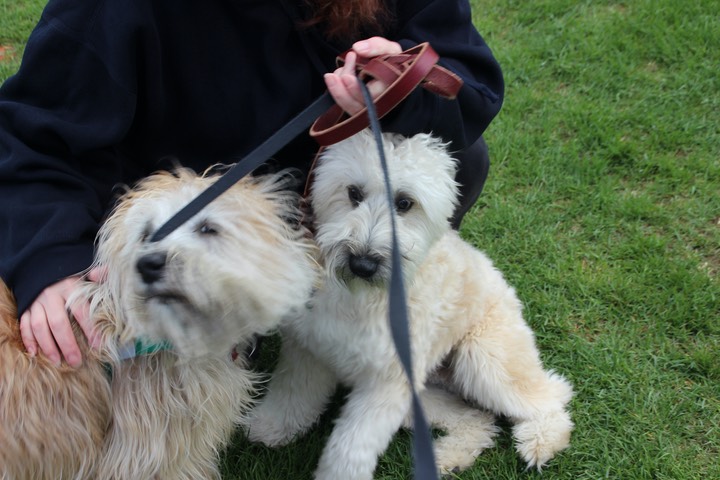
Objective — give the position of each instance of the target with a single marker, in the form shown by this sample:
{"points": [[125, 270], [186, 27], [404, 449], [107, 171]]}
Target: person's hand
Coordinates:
{"points": [[342, 83], [45, 325]]}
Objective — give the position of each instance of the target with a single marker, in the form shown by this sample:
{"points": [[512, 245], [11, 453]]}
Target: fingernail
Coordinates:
{"points": [[74, 360], [330, 79], [54, 360]]}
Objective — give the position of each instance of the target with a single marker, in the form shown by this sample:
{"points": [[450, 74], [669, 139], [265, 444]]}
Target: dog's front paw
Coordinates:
{"points": [[453, 462], [541, 437], [457, 450]]}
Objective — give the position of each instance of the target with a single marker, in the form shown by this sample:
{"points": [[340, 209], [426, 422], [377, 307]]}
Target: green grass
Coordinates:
{"points": [[603, 209], [17, 18]]}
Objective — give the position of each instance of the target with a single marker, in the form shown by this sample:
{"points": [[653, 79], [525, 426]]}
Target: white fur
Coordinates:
{"points": [[462, 312]]}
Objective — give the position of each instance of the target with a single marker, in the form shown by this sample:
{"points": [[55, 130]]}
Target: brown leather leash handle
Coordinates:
{"points": [[403, 72]]}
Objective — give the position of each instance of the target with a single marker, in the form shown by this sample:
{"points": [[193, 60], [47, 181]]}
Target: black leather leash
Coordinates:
{"points": [[423, 454], [250, 162]]}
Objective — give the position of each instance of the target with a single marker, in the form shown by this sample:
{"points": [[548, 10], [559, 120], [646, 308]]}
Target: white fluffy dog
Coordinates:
{"points": [[232, 271], [464, 318]]}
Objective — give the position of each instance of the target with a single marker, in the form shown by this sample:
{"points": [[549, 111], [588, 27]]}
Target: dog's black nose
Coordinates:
{"points": [[363, 265], [151, 266]]}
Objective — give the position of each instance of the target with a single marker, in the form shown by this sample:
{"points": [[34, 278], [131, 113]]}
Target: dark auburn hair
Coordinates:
{"points": [[349, 19]]}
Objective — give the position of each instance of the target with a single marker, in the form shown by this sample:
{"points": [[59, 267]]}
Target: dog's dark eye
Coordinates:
{"points": [[403, 204], [355, 195], [145, 234], [207, 229]]}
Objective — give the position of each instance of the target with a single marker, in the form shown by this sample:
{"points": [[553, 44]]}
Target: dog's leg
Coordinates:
{"points": [[297, 394], [468, 430], [498, 366], [371, 416]]}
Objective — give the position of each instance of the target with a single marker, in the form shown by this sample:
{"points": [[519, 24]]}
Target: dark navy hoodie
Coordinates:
{"points": [[111, 90]]}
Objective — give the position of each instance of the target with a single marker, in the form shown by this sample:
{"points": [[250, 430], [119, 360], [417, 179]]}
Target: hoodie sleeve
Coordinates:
{"points": [[447, 25], [58, 115]]}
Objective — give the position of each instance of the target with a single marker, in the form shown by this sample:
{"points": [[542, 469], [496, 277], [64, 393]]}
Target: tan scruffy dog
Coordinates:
{"points": [[232, 271], [464, 318]]}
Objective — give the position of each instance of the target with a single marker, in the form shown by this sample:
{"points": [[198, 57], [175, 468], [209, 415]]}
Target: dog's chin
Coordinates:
{"points": [[166, 303], [169, 299], [351, 281]]}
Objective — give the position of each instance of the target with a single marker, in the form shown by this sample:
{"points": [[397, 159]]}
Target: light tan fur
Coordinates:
{"points": [[465, 430], [464, 316], [232, 271], [47, 414]]}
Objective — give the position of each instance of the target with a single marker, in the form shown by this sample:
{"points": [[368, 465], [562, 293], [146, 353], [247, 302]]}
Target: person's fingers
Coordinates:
{"points": [[62, 332], [348, 67], [338, 89], [353, 89], [43, 335], [374, 46], [343, 84], [81, 311], [97, 274], [27, 335], [376, 87], [46, 326], [347, 94]]}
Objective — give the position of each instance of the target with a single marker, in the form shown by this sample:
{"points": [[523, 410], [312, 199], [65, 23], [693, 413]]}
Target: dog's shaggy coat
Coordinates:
{"points": [[227, 274], [464, 319]]}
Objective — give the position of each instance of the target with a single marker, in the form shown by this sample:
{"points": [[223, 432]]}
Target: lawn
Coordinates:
{"points": [[603, 210]]}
